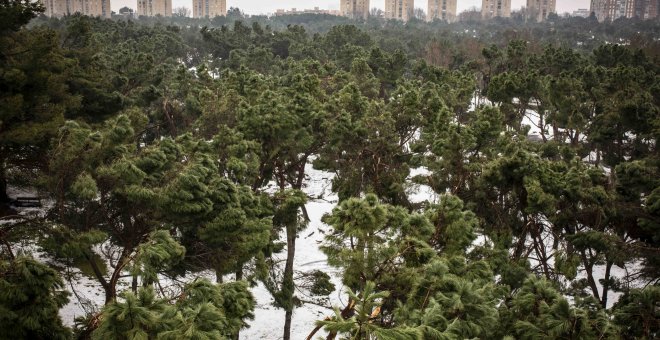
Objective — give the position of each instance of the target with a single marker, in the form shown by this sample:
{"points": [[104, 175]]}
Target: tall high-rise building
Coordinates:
{"points": [[209, 8], [495, 8], [442, 9], [614, 9], [152, 8], [604, 9], [653, 10], [627, 8], [354, 8], [646, 9], [399, 9], [55, 8], [540, 9], [95, 8]]}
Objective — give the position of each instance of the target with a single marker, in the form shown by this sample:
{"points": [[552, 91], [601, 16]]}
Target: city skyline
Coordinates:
{"points": [[254, 7]]}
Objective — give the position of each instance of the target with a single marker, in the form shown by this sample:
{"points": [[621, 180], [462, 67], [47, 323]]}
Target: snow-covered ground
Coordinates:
{"points": [[418, 192], [269, 321]]}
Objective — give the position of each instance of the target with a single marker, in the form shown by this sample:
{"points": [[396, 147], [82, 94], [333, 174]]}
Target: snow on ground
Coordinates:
{"points": [[599, 273], [598, 270], [86, 296], [418, 193], [269, 321]]}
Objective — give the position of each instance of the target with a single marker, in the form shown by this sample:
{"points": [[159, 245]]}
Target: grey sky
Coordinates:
{"points": [[269, 6]]}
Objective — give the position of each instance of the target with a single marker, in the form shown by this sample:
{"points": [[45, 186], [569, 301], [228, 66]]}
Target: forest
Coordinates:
{"points": [[169, 161]]}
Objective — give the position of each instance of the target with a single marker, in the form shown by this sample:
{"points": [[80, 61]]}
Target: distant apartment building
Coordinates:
{"points": [[614, 9], [94, 8], [540, 9], [56, 8], [647, 9], [604, 9], [581, 12], [354, 8], [495, 8], [442, 10], [209, 8], [399, 9], [152, 8], [316, 10]]}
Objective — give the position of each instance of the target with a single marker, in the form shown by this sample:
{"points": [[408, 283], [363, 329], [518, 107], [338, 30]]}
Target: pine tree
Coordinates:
{"points": [[126, 192], [33, 91], [452, 299], [287, 216], [202, 311], [369, 238], [362, 324], [432, 293], [363, 149], [161, 252], [636, 313], [286, 121], [538, 311], [136, 317], [31, 295]]}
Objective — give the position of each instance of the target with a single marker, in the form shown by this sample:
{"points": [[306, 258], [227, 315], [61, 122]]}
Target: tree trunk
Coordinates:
{"points": [[588, 267], [288, 286], [4, 198], [110, 294], [134, 284], [218, 276], [99, 276], [520, 245], [287, 282], [111, 290], [287, 324], [606, 283]]}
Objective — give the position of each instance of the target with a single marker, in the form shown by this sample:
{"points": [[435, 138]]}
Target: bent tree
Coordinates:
{"points": [[112, 191]]}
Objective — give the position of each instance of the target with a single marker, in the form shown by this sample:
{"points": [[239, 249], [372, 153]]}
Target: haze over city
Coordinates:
{"points": [[253, 7]]}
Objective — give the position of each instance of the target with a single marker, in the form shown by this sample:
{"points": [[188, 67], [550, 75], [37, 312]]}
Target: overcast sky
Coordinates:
{"points": [[269, 6]]}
